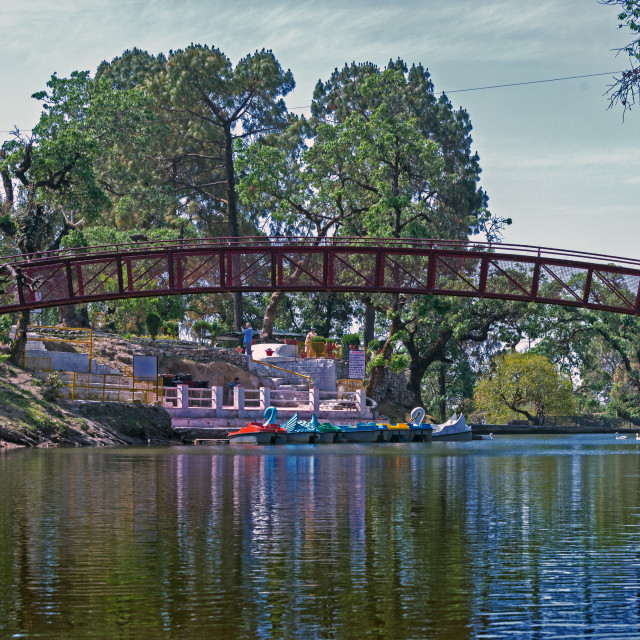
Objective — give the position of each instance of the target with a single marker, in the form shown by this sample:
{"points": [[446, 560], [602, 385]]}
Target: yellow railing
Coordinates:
{"points": [[273, 366], [348, 384], [110, 387], [46, 339]]}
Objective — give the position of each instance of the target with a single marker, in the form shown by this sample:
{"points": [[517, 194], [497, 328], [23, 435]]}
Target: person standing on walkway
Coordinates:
{"points": [[247, 337], [307, 342]]}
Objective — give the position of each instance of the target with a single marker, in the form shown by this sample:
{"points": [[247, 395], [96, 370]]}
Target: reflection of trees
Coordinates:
{"points": [[405, 542]]}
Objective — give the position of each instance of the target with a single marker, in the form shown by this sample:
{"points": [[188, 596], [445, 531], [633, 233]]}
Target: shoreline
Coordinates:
{"points": [[528, 430]]}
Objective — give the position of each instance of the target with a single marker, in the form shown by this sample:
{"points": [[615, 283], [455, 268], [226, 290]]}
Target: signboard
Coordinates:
{"points": [[357, 365], [145, 367]]}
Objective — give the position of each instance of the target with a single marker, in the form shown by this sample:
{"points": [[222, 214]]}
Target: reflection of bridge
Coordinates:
{"points": [[441, 267]]}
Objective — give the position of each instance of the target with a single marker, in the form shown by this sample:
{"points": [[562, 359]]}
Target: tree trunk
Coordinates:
{"points": [[369, 324], [417, 369], [16, 352], [419, 363], [442, 388], [274, 302], [378, 372], [70, 316], [325, 328], [266, 333], [237, 310], [232, 215]]}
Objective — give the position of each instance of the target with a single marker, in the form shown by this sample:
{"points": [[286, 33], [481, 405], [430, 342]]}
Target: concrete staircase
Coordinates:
{"points": [[321, 371]]}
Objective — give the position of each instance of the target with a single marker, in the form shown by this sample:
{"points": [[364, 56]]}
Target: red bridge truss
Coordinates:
{"points": [[440, 267]]}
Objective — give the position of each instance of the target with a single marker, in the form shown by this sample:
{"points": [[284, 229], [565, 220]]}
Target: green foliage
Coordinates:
{"points": [[172, 329], [7, 225], [525, 385], [399, 362], [377, 360], [350, 339], [153, 322], [204, 330], [51, 386], [201, 329], [388, 159], [375, 344], [318, 339], [208, 105], [5, 328]]}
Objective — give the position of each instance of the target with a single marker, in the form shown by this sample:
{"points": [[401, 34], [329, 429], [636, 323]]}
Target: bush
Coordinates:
{"points": [[347, 340], [377, 361], [318, 339], [375, 344], [5, 328], [201, 329], [172, 329], [51, 387], [350, 339], [154, 324]]}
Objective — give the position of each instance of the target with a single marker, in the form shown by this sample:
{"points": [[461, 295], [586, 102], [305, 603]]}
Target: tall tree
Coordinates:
{"points": [[49, 177], [388, 159], [211, 106]]}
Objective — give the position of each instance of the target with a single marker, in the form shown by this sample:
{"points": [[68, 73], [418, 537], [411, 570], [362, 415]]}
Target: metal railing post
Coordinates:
{"points": [[265, 398]]}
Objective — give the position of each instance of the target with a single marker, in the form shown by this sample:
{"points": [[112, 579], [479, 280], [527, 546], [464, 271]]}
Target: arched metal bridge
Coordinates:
{"points": [[439, 267]]}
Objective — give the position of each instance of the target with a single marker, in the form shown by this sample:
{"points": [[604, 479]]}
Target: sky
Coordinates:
{"points": [[555, 159]]}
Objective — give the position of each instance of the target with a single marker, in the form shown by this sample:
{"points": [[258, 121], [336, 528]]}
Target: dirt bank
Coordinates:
{"points": [[28, 420]]}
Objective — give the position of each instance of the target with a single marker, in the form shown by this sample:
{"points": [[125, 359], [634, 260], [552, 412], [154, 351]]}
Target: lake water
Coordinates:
{"points": [[516, 537]]}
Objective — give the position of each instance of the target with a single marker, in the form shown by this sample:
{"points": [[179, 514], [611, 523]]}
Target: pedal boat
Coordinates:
{"points": [[255, 433], [364, 432], [455, 429], [301, 431]]}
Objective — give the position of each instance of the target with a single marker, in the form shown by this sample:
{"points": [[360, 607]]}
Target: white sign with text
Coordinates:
{"points": [[357, 365]]}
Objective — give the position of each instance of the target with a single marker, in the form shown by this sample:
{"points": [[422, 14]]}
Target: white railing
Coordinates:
{"points": [[184, 397], [252, 399], [202, 398]]}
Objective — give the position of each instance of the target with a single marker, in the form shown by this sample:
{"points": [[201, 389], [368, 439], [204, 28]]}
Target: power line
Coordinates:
{"points": [[492, 86], [518, 84]]}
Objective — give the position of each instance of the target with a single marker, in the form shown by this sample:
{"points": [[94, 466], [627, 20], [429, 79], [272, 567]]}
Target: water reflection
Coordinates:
{"points": [[514, 537]]}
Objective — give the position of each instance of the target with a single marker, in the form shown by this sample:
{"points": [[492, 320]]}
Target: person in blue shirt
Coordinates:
{"points": [[236, 383], [247, 337]]}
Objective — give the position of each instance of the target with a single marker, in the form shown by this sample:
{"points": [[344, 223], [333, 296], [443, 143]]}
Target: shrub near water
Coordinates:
{"points": [[51, 387]]}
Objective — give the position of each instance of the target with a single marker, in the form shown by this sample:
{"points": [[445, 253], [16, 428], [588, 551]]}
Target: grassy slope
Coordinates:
{"points": [[27, 419]]}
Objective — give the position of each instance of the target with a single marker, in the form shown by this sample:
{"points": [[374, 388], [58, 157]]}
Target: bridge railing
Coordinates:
{"points": [[243, 244]]}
